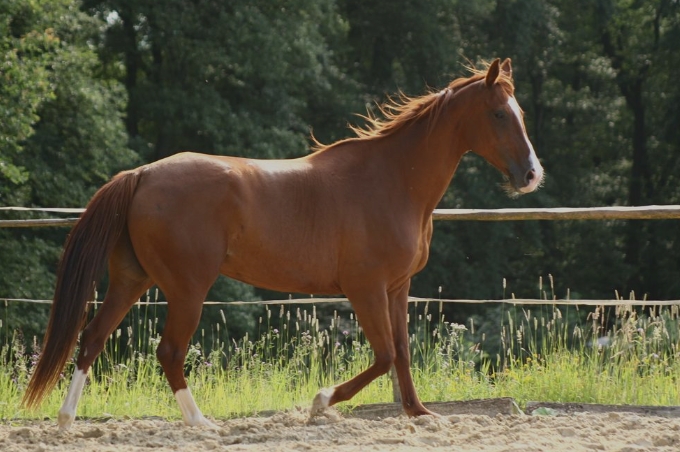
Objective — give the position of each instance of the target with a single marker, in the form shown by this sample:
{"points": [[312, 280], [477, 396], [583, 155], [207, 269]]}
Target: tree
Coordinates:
{"points": [[596, 80], [68, 138], [220, 77], [406, 46], [631, 36], [24, 55]]}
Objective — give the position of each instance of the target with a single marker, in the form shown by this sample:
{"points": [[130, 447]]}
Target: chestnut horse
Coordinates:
{"points": [[354, 217]]}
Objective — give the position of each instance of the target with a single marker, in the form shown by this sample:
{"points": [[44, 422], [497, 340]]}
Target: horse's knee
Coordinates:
{"points": [[402, 352], [172, 361], [167, 354], [170, 356], [383, 361], [91, 344]]}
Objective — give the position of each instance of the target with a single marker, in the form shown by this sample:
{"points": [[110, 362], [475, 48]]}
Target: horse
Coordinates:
{"points": [[353, 217]]}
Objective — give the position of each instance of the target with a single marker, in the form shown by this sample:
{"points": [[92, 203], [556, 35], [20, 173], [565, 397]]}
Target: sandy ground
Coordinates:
{"points": [[294, 431]]}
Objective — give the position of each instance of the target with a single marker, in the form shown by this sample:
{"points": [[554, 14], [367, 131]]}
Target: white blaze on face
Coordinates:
{"points": [[535, 164]]}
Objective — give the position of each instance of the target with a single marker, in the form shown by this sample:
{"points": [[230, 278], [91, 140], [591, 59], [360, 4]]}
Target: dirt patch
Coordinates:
{"points": [[625, 432]]}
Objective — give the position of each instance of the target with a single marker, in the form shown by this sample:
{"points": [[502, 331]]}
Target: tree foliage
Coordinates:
{"points": [[89, 88], [62, 139]]}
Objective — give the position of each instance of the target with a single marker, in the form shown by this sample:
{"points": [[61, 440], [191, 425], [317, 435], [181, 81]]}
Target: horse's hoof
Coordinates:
{"points": [[420, 411], [65, 420], [201, 421], [321, 401]]}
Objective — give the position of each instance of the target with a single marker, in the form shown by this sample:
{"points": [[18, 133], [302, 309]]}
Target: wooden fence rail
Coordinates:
{"points": [[432, 301], [670, 212]]}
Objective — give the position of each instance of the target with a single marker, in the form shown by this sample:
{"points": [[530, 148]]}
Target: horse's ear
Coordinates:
{"points": [[493, 72], [506, 67]]}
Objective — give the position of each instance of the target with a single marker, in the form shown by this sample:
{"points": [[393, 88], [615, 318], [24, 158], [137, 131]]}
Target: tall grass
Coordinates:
{"points": [[618, 356]]}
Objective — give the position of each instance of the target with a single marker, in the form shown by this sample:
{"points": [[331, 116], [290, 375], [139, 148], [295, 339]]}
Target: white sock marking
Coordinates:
{"points": [[190, 412], [67, 412], [321, 401]]}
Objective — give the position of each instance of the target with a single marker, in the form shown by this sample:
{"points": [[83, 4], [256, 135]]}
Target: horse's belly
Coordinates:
{"points": [[282, 273]]}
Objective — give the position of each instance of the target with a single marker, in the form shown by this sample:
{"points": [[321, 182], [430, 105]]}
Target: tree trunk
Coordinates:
{"points": [[638, 193], [131, 68], [630, 80]]}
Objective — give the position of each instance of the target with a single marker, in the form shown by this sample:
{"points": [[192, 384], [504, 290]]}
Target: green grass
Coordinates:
{"points": [[542, 355]]}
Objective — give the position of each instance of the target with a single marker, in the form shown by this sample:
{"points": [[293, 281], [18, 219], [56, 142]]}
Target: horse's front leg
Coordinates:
{"points": [[402, 362], [373, 314]]}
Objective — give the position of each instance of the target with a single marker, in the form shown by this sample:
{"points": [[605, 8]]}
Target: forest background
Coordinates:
{"points": [[91, 87]]}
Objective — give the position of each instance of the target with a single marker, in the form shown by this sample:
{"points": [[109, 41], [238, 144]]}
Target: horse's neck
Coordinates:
{"points": [[415, 164], [427, 155]]}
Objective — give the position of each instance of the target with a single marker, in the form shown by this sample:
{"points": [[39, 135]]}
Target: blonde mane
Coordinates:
{"points": [[398, 113]]}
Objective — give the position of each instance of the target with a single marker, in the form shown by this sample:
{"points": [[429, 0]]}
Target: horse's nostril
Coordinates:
{"points": [[531, 175]]}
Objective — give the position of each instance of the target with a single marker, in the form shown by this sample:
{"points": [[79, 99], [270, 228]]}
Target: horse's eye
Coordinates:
{"points": [[500, 114]]}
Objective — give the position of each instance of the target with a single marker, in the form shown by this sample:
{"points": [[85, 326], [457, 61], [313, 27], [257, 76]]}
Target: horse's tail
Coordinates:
{"points": [[81, 266]]}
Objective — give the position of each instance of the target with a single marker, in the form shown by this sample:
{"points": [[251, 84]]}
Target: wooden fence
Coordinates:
{"points": [[557, 213], [562, 213], [668, 212]]}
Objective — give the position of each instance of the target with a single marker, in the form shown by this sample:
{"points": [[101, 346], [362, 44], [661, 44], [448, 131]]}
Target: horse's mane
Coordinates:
{"points": [[404, 110]]}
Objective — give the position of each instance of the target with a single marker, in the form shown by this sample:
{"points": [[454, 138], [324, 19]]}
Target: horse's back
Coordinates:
{"points": [[265, 222]]}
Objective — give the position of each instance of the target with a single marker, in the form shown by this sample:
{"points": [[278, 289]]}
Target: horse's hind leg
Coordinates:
{"points": [[127, 282], [184, 261], [179, 327]]}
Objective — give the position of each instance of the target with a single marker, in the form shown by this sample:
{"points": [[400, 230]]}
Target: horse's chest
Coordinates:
{"points": [[422, 248]]}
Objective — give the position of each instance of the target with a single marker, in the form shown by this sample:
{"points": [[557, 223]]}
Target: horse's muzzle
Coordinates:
{"points": [[527, 181]]}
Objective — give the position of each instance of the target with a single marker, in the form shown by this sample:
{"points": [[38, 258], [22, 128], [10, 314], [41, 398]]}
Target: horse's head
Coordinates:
{"points": [[495, 130]]}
